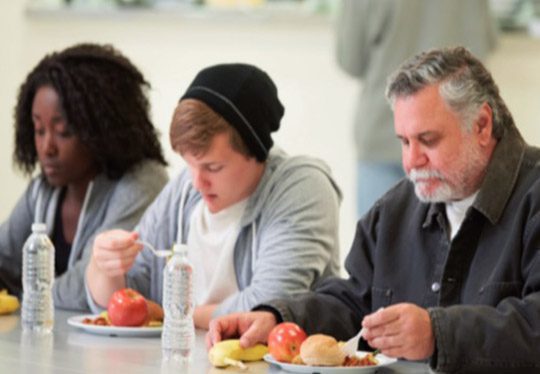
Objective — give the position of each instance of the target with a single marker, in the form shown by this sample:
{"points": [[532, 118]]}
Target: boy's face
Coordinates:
{"points": [[222, 175]]}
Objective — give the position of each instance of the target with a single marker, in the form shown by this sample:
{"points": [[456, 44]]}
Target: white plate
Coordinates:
{"points": [[112, 330], [293, 368]]}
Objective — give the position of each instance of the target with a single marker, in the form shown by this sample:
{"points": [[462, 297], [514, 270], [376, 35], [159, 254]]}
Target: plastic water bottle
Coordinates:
{"points": [[37, 279], [178, 335]]}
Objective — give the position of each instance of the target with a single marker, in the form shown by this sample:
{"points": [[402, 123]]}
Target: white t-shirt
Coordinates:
{"points": [[455, 212], [211, 241]]}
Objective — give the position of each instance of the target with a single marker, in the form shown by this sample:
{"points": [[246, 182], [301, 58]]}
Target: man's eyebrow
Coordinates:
{"points": [[426, 133], [418, 135]]}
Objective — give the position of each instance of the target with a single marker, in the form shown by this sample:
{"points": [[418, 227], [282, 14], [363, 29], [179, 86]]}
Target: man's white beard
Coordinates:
{"points": [[471, 163], [442, 193]]}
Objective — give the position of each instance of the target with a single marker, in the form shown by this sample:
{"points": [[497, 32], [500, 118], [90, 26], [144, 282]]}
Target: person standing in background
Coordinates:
{"points": [[83, 116], [373, 38]]}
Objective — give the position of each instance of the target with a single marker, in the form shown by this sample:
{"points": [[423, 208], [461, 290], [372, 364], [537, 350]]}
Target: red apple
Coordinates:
{"points": [[284, 341], [127, 307]]}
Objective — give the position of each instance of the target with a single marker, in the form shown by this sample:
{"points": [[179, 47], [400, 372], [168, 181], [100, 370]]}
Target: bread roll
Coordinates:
{"points": [[321, 350]]}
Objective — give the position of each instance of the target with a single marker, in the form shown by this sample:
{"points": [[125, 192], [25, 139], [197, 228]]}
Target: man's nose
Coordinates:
{"points": [[414, 157]]}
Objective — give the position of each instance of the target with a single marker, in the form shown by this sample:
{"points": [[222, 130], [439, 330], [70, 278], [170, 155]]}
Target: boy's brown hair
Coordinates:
{"points": [[194, 125]]}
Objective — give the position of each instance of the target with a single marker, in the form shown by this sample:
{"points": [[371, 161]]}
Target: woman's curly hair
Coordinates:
{"points": [[103, 98]]}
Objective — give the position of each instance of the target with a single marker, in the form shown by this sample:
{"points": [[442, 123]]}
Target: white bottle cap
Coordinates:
{"points": [[39, 227], [179, 248]]}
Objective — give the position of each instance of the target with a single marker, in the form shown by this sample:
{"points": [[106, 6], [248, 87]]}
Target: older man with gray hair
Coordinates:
{"points": [[450, 254]]}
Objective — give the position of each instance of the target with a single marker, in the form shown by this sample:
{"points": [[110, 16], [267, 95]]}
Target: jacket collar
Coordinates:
{"points": [[500, 179]]}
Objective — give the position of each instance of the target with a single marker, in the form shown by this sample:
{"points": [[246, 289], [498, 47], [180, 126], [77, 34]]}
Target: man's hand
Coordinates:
{"points": [[401, 330], [251, 327], [114, 252]]}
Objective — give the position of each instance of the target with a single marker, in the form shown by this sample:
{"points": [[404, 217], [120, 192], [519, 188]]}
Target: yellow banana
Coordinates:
{"points": [[229, 352], [8, 303]]}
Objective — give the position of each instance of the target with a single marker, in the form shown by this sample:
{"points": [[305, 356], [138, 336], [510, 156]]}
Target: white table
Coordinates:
{"points": [[70, 350]]}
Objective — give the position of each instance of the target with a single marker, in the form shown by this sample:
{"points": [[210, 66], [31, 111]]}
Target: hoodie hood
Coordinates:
{"points": [[280, 167]]}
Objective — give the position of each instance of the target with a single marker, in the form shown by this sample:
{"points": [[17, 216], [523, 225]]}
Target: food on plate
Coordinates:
{"points": [[297, 360], [367, 360], [324, 350], [229, 353], [321, 350], [120, 307], [8, 303], [155, 314], [101, 320], [288, 343], [284, 341], [127, 307]]}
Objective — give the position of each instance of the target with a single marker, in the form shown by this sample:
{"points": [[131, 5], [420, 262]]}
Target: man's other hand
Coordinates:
{"points": [[401, 330]]}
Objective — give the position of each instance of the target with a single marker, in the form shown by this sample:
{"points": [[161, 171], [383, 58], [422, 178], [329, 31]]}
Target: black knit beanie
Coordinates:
{"points": [[245, 97]]}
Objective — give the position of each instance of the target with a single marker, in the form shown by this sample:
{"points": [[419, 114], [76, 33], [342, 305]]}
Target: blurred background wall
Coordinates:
{"points": [[293, 41]]}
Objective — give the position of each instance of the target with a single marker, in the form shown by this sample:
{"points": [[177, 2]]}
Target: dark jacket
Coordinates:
{"points": [[482, 288]]}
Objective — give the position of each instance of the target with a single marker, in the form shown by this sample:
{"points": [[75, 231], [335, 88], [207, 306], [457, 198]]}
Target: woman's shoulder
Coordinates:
{"points": [[147, 175], [148, 168]]}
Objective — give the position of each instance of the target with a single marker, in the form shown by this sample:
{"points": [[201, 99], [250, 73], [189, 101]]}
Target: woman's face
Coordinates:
{"points": [[64, 160]]}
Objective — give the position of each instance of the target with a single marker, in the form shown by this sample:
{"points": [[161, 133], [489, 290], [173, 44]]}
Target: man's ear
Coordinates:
{"points": [[483, 126]]}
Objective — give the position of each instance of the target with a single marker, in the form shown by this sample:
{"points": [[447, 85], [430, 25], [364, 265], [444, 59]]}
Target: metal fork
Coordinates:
{"points": [[157, 252]]}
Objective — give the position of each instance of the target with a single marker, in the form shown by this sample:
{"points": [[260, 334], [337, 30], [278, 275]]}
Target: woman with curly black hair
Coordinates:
{"points": [[82, 115]]}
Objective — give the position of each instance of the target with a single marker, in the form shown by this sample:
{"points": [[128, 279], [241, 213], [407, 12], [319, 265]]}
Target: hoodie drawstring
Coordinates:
{"points": [[183, 198]]}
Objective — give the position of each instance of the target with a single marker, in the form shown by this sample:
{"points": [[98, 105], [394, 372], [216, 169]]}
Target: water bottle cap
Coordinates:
{"points": [[39, 227], [179, 248]]}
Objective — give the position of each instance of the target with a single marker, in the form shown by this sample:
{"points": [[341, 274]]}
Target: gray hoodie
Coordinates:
{"points": [[108, 204], [287, 242]]}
